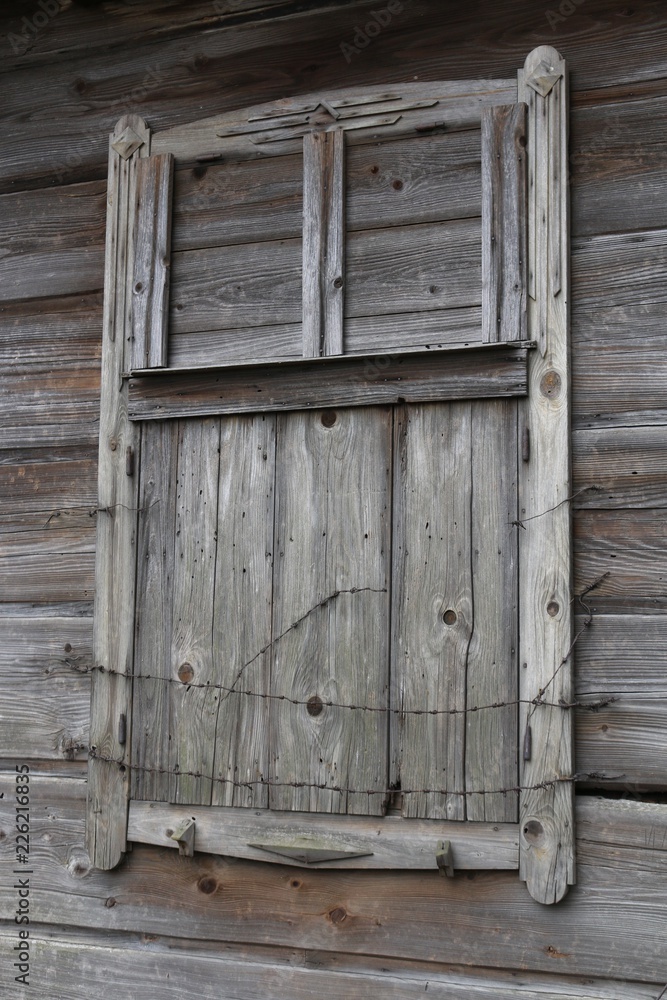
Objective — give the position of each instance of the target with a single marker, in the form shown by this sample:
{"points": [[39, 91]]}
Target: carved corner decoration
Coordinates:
{"points": [[546, 813]]}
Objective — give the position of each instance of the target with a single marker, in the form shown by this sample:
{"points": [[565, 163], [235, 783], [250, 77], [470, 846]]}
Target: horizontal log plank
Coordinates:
{"points": [[627, 465], [30, 483], [427, 178], [623, 657], [617, 161], [51, 408], [207, 70], [403, 332], [77, 966], [611, 924], [618, 376], [46, 689], [48, 563], [389, 841], [497, 370], [418, 268], [33, 333], [631, 547]]}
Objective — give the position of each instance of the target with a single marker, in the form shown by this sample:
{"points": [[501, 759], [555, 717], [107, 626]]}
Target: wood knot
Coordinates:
{"points": [[329, 418], [186, 673], [314, 705], [553, 607], [338, 915], [109, 902], [207, 885], [449, 617], [551, 384]]}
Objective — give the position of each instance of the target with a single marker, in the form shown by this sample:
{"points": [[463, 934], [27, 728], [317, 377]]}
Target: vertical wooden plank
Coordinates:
{"points": [[116, 523], [242, 609], [546, 813], [504, 223], [150, 289], [492, 669], [432, 606], [193, 710], [332, 535], [155, 574], [323, 242]]}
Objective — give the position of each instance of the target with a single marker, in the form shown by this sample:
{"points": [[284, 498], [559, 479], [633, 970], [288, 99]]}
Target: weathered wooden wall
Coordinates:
{"points": [[181, 927]]}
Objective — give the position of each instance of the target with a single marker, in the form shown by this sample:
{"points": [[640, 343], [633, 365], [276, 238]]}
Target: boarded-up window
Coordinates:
{"points": [[311, 599]]}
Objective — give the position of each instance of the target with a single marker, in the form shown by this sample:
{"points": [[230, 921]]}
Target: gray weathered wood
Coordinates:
{"points": [[333, 474], [150, 292], [417, 268], [46, 687], [491, 749], [193, 710], [504, 223], [155, 579], [547, 842], [419, 178], [75, 964], [477, 372], [116, 525], [432, 606], [458, 104], [323, 243], [405, 269], [242, 608], [386, 841], [602, 927]]}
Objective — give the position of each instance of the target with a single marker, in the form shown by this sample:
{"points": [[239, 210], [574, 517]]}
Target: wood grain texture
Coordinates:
{"points": [[193, 710], [387, 841], [491, 370], [323, 243], [629, 545], [333, 476], [628, 465], [504, 221], [417, 268], [87, 967], [231, 287], [52, 241], [219, 204], [46, 699], [153, 614], [492, 669], [206, 70], [601, 929], [150, 291], [547, 839], [242, 607], [116, 528], [432, 606], [424, 178]]}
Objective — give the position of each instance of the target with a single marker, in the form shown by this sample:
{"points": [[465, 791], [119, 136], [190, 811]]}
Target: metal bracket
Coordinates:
{"points": [[185, 835], [444, 858]]}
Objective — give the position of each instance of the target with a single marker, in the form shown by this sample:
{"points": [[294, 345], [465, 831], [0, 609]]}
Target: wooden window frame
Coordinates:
{"points": [[136, 289]]}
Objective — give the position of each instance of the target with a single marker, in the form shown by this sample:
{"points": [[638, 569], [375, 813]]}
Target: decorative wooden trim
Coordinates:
{"points": [[150, 287], [365, 113], [546, 814], [504, 223], [323, 243], [424, 376], [116, 522], [382, 841]]}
